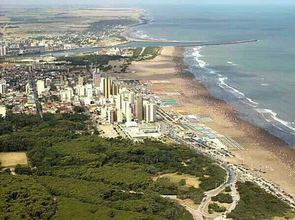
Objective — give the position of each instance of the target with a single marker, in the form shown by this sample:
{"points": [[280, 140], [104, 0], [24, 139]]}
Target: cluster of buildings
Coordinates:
{"points": [[122, 104], [108, 100], [20, 90], [14, 45], [116, 51], [113, 100], [12, 49], [22, 49]]}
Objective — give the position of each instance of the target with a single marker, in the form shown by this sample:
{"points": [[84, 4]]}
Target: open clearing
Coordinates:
{"points": [[12, 159], [175, 178]]}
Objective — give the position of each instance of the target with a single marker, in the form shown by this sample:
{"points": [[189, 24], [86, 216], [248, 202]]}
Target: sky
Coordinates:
{"points": [[141, 2]]}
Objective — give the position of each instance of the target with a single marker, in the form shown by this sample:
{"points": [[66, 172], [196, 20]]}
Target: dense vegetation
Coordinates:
{"points": [[79, 175], [13, 122], [20, 132], [146, 53], [150, 52], [21, 197], [137, 51], [223, 198], [107, 24], [76, 175], [256, 203], [87, 60], [214, 207], [127, 165]]}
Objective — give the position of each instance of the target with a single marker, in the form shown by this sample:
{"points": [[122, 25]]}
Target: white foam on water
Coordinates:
{"points": [[253, 102], [140, 34], [197, 55], [264, 113], [143, 35], [222, 83], [270, 115], [231, 63]]}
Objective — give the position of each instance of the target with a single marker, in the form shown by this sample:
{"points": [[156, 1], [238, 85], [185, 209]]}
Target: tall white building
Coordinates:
{"points": [[3, 86], [150, 112], [80, 90], [28, 89], [128, 114], [115, 89], [96, 78], [2, 50], [40, 87], [125, 105], [106, 86], [89, 91], [119, 100], [111, 114], [120, 117], [139, 107], [131, 97], [67, 95]]}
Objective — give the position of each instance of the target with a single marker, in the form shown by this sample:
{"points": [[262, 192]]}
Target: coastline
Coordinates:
{"points": [[142, 20], [264, 153]]}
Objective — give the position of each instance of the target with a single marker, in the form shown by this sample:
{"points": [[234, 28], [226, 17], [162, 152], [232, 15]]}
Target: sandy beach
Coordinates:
{"points": [[268, 155]]}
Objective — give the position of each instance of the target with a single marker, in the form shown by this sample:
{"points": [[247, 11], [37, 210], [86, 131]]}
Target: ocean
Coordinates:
{"points": [[258, 78]]}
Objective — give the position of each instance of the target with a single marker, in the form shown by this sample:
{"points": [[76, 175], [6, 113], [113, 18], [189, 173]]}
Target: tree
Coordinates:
{"points": [[23, 170]]}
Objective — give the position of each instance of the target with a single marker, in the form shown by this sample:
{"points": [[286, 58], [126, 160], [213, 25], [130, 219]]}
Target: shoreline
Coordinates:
{"points": [[264, 153]]}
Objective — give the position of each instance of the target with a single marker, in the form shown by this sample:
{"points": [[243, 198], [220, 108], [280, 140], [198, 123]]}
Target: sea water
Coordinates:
{"points": [[257, 79]]}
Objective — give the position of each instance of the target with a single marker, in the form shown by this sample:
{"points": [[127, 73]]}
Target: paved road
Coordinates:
{"points": [[231, 175]]}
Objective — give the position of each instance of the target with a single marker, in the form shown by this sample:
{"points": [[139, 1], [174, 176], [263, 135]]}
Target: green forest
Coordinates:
{"points": [[256, 203], [73, 174], [76, 175]]}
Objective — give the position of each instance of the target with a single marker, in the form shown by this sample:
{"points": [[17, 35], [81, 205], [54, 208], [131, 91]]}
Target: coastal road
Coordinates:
{"points": [[236, 197], [170, 131], [230, 181]]}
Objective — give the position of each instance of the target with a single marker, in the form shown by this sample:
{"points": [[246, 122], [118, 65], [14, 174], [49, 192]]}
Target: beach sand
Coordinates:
{"points": [[268, 155]]}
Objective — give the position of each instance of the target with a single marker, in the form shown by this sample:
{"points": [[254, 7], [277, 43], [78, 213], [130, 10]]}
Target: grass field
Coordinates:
{"points": [[175, 178], [12, 159]]}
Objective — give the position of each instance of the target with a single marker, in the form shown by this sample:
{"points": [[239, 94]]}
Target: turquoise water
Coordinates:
{"points": [[258, 79]]}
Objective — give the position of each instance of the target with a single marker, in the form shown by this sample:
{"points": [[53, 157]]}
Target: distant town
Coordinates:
{"points": [[62, 42]]}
